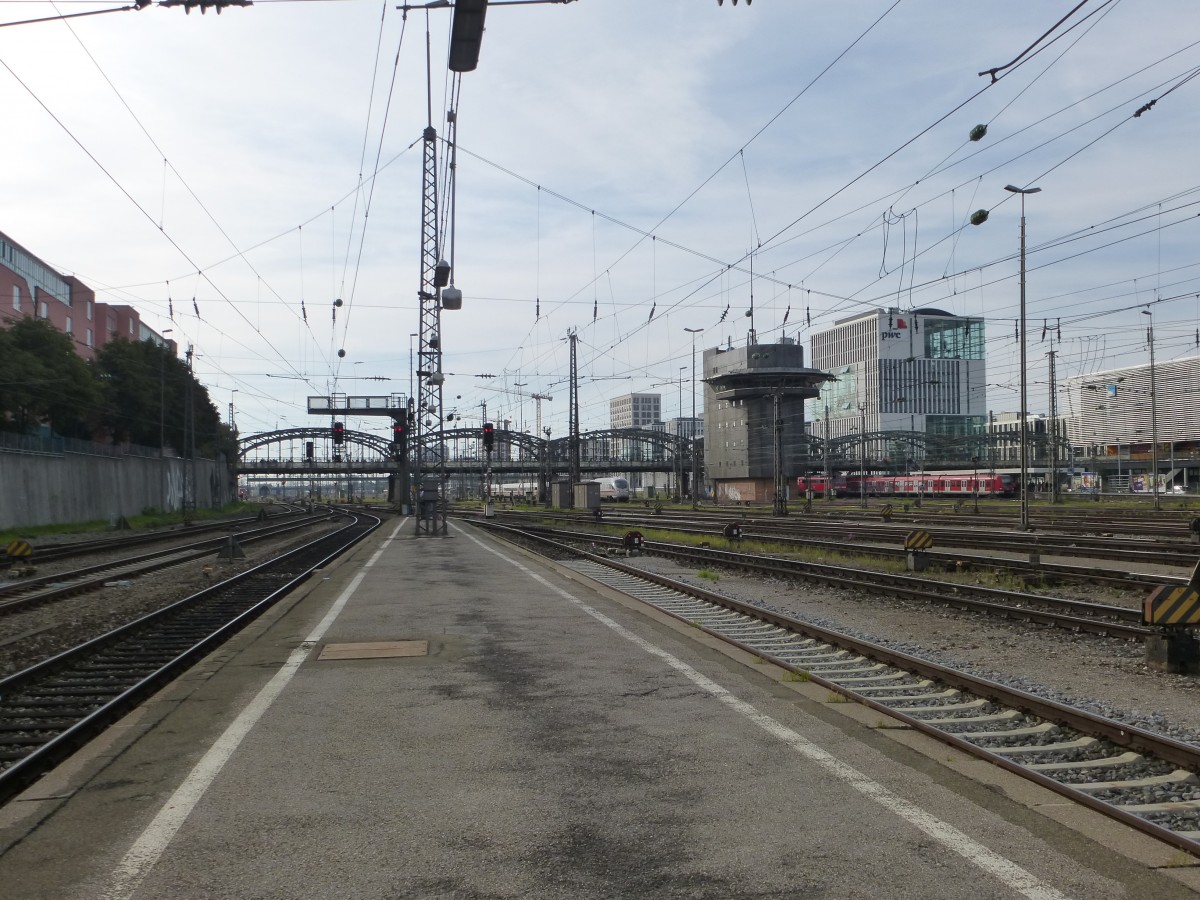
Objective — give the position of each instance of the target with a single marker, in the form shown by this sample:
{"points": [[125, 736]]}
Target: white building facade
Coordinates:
{"points": [[1111, 420], [635, 410], [919, 371]]}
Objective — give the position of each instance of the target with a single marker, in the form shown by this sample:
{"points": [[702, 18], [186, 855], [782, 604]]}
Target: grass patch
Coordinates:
{"points": [[835, 697], [796, 676], [708, 575]]}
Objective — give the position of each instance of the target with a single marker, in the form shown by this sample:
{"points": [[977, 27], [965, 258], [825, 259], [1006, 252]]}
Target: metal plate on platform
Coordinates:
{"points": [[375, 650]]}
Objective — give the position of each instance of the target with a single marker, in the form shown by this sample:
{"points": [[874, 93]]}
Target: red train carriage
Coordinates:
{"points": [[819, 485], [935, 485]]}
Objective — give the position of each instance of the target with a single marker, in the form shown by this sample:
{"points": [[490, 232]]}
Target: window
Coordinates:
{"points": [[44, 312], [89, 337], [131, 326], [70, 333], [17, 297], [89, 310]]}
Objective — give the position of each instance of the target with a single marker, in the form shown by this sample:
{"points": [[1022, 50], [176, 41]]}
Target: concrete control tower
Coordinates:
{"points": [[755, 441]]}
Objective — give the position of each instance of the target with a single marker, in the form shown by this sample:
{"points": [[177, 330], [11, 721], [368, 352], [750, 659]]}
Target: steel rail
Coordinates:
{"points": [[20, 595], [1075, 615], [65, 549]]}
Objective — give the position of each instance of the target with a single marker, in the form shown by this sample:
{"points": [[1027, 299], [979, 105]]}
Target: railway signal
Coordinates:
{"points": [[399, 439], [489, 436], [339, 433], [309, 450]]}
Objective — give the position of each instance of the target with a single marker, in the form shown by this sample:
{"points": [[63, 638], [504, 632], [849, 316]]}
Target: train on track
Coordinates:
{"points": [[935, 484], [614, 489]]}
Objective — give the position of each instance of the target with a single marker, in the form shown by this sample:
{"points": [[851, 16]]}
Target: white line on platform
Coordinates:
{"points": [[149, 847], [1004, 870]]}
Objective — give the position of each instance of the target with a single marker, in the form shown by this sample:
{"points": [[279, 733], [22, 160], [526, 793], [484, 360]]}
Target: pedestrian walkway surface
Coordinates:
{"points": [[448, 718]]}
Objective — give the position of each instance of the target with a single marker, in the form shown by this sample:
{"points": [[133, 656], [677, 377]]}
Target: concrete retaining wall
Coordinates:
{"points": [[55, 489]]}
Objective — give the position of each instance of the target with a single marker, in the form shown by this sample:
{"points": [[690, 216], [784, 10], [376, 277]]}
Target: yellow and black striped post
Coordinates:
{"points": [[19, 550], [1173, 610], [918, 540], [916, 543], [1175, 605]]}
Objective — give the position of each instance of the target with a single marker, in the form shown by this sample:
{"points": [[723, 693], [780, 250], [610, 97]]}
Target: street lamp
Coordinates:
{"points": [[678, 437], [695, 497], [520, 404], [162, 416], [1153, 412], [411, 335], [825, 454], [862, 457], [1024, 377]]}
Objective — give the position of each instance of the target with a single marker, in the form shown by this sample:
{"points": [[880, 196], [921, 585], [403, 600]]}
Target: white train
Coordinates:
{"points": [[614, 489]]}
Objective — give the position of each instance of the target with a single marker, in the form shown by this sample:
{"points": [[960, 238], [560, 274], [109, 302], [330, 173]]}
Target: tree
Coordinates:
{"points": [[146, 396], [144, 387], [44, 382]]}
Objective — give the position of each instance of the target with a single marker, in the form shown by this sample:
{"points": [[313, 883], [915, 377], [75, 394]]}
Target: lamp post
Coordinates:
{"points": [[1024, 376], [862, 457], [411, 335], [162, 417], [679, 441], [520, 404], [695, 497], [1153, 412], [825, 454]]}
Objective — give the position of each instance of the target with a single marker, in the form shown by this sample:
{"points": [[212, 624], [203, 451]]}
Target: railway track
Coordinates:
{"points": [[1073, 615], [51, 709], [1167, 524], [44, 553], [1140, 778], [1134, 582], [21, 595], [1131, 551]]}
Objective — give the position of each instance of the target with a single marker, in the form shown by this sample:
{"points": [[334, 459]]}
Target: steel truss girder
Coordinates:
{"points": [[431, 474]]}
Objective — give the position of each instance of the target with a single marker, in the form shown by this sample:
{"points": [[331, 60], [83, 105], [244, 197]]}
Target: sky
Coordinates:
{"points": [[625, 169]]}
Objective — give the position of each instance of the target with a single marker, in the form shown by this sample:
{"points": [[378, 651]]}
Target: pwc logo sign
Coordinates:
{"points": [[898, 331]]}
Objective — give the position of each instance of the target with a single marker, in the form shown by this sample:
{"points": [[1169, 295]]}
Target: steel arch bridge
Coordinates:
{"points": [[283, 452], [522, 453], [895, 450]]}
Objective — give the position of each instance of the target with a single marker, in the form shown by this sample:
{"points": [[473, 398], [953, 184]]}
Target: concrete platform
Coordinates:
{"points": [[483, 725]]}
